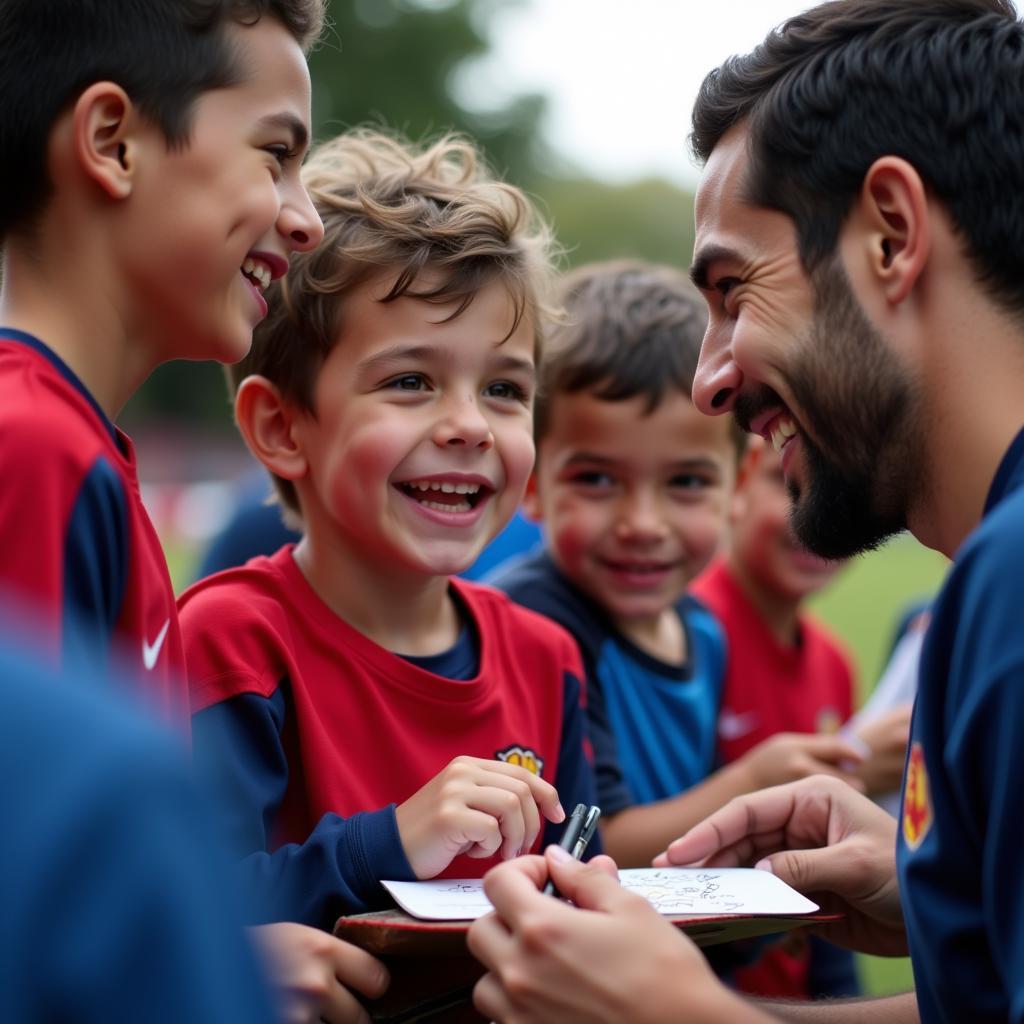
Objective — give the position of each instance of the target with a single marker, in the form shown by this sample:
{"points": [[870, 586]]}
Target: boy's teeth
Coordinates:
{"points": [[462, 506], [445, 488], [258, 271]]}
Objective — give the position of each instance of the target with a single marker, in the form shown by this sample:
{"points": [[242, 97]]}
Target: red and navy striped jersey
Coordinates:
{"points": [[78, 553], [309, 733]]}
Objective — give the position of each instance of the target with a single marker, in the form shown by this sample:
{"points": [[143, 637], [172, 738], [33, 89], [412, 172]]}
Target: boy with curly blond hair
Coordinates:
{"points": [[361, 714]]}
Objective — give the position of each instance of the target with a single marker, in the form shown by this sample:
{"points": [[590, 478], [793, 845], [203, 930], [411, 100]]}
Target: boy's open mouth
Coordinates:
{"points": [[445, 496], [257, 272]]}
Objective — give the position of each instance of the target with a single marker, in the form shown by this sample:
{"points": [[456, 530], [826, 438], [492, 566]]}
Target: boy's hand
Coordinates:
{"points": [[886, 738], [823, 839], [474, 806], [313, 972], [788, 756]]}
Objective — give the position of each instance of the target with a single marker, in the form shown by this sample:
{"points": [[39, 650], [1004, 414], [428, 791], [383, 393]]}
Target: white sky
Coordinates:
{"points": [[622, 75]]}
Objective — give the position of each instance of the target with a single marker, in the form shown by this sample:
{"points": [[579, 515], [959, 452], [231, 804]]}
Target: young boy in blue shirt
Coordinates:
{"points": [[151, 158], [361, 714], [633, 485]]}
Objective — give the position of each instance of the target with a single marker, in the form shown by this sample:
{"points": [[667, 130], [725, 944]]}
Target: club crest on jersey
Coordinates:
{"points": [[917, 802], [522, 756]]}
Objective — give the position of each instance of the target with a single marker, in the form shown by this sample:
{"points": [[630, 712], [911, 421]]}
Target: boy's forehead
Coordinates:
{"points": [[626, 431], [272, 68]]}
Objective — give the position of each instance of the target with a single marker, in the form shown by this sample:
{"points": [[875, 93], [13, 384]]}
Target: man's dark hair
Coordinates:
{"points": [[163, 53], [939, 83], [630, 329]]}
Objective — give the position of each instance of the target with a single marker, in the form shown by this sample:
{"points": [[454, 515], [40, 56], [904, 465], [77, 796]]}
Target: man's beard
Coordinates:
{"points": [[863, 467]]}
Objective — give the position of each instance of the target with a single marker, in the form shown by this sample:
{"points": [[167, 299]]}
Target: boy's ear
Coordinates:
{"points": [[265, 421], [104, 124], [893, 215], [531, 505]]}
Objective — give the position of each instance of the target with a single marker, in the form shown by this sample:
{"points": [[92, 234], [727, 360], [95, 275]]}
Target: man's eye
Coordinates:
{"points": [[724, 285]]}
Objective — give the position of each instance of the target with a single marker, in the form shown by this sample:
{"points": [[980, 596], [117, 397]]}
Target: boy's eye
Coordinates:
{"points": [[282, 154], [407, 382], [507, 389], [689, 482], [592, 478]]}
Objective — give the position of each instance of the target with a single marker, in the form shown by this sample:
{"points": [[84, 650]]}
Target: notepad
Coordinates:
{"points": [[713, 892]]}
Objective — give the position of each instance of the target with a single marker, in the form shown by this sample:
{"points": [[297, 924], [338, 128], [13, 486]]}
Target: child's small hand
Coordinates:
{"points": [[474, 806], [886, 738], [789, 756]]}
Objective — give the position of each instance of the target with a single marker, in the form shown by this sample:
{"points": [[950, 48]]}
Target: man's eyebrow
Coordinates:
{"points": [[703, 260], [289, 123]]}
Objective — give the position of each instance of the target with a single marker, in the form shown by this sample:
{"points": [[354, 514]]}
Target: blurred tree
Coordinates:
{"points": [[402, 64], [651, 220], [390, 62]]}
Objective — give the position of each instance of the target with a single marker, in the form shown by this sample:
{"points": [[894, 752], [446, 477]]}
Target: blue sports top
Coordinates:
{"points": [[959, 855], [653, 725], [114, 902]]}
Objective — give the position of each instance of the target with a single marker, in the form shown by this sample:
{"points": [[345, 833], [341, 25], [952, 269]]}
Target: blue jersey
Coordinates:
{"points": [[653, 725], [113, 905], [959, 856]]}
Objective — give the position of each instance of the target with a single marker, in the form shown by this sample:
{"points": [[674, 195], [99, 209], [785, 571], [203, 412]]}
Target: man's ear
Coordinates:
{"points": [[893, 215], [104, 126], [531, 505], [266, 423]]}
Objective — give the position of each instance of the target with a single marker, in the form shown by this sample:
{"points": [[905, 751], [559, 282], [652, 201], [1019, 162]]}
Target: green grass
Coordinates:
{"points": [[863, 606]]}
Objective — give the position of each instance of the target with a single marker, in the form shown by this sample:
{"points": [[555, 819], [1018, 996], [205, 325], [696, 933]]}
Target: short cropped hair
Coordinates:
{"points": [[630, 328], [939, 83], [163, 53], [390, 206]]}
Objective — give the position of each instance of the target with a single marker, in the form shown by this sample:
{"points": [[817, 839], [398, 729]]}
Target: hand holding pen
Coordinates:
{"points": [[579, 829]]}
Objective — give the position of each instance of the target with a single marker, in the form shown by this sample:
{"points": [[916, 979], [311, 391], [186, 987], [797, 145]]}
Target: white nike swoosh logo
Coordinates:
{"points": [[150, 652], [732, 726]]}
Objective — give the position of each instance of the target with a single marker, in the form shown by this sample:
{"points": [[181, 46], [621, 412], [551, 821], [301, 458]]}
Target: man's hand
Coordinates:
{"points": [[476, 807], [312, 973], [610, 958], [822, 838]]}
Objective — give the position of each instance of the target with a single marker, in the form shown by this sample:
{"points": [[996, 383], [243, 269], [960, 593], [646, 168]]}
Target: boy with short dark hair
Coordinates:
{"points": [[390, 395], [151, 158], [151, 155], [632, 484]]}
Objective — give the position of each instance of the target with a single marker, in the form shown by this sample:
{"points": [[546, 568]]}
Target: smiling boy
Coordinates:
{"points": [[633, 485], [132, 206], [361, 715]]}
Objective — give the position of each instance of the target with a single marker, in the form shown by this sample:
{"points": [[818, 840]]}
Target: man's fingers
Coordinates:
{"points": [[490, 999], [767, 811], [355, 968], [593, 886]]}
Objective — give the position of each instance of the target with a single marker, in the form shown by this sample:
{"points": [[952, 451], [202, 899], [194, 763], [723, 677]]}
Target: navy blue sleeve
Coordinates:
{"points": [[241, 757], [574, 778], [113, 895], [256, 528], [95, 568]]}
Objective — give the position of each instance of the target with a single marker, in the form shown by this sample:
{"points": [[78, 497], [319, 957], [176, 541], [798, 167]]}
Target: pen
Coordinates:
{"points": [[578, 831]]}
